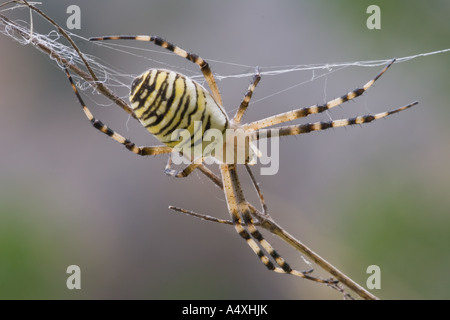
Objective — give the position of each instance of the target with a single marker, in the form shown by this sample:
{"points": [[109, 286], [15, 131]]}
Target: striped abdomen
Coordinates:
{"points": [[165, 101]]}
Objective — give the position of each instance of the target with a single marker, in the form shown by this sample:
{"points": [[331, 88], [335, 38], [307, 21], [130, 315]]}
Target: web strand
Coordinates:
{"points": [[116, 78]]}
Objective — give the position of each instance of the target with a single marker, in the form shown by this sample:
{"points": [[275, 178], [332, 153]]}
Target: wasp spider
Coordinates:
{"points": [[164, 101]]}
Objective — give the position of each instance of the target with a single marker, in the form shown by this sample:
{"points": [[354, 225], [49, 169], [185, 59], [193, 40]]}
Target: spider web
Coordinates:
{"points": [[116, 78]]}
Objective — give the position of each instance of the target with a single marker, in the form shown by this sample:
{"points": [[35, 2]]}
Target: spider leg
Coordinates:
{"points": [[204, 66], [257, 189], [143, 151], [205, 216], [201, 216], [237, 206], [244, 104], [181, 173], [317, 126], [304, 112]]}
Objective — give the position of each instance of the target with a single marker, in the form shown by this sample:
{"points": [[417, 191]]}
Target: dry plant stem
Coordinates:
{"points": [[270, 225], [41, 46], [274, 228], [264, 220], [65, 35]]}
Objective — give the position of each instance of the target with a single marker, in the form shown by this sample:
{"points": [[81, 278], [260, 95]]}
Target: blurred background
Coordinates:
{"points": [[376, 194]]}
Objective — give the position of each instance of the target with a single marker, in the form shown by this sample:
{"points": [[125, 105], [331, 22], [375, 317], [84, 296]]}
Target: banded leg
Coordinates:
{"points": [[181, 173], [247, 230], [317, 126], [244, 104], [143, 151], [204, 66], [304, 112]]}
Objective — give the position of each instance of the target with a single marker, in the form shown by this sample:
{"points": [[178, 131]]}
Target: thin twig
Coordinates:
{"points": [[269, 224], [88, 77], [274, 228]]}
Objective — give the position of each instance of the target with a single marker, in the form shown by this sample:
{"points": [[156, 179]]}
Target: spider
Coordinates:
{"points": [[165, 101]]}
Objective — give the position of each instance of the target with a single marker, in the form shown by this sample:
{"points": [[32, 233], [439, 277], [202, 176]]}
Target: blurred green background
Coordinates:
{"points": [[376, 194]]}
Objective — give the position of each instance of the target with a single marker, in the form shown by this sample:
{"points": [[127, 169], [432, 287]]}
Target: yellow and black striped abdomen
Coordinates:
{"points": [[165, 101]]}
